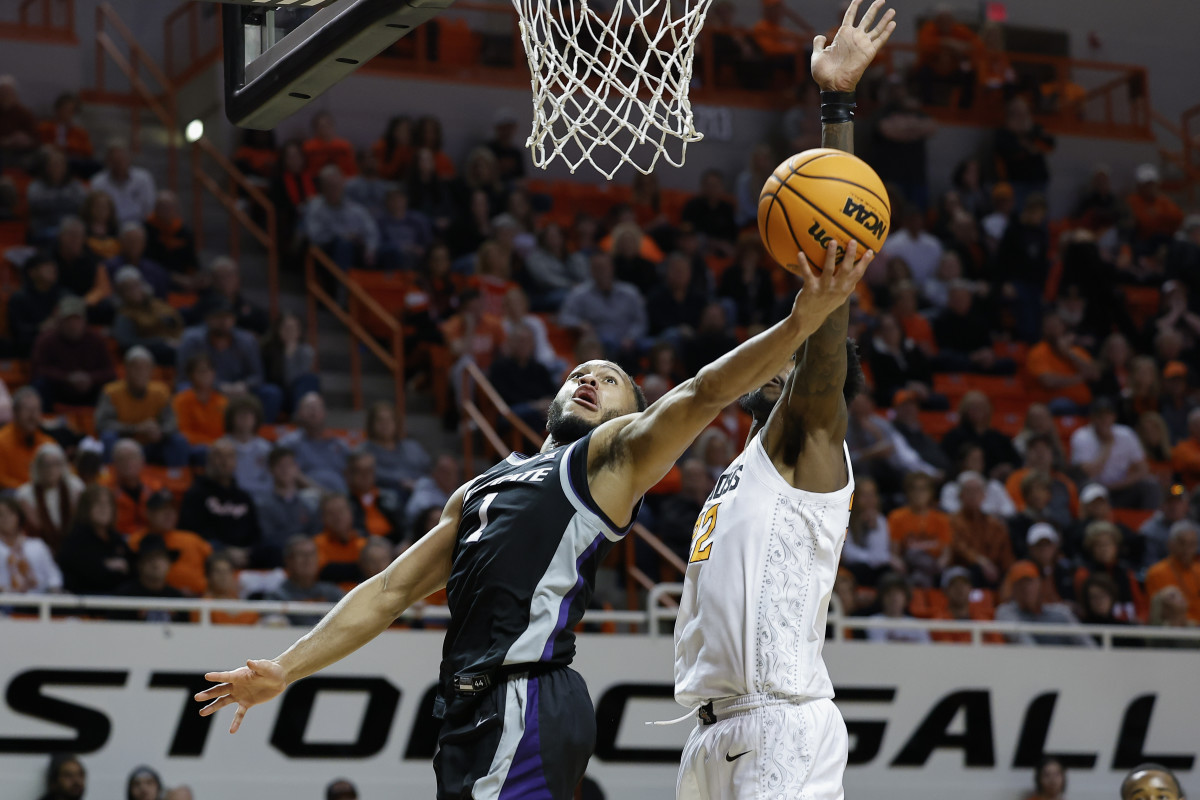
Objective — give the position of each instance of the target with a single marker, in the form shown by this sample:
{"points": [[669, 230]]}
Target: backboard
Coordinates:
{"points": [[281, 54]]}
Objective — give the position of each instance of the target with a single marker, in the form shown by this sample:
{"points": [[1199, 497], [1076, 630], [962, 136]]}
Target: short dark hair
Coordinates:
{"points": [[1150, 766], [10, 502], [194, 362], [894, 580], [1040, 438], [245, 402], [277, 454], [57, 762], [1045, 762]]}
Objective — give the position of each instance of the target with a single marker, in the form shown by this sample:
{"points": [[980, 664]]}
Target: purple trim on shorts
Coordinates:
{"points": [[565, 607], [526, 778]]}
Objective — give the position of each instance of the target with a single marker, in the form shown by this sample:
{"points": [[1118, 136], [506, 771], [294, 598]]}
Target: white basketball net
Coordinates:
{"points": [[608, 84]]}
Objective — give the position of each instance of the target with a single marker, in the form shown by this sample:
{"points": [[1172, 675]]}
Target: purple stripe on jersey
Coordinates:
{"points": [[565, 608], [526, 777]]}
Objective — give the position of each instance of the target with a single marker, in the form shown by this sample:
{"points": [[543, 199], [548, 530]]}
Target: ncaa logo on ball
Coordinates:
{"points": [[864, 216]]}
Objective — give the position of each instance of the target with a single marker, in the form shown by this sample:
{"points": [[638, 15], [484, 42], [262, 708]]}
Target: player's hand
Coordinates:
{"points": [[838, 67], [827, 291], [257, 682]]}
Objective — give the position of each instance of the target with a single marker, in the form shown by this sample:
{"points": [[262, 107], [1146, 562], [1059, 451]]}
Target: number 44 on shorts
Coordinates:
{"points": [[702, 534]]}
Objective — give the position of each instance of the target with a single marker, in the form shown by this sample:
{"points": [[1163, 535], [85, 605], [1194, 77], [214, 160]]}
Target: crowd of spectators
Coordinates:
{"points": [[1069, 495]]}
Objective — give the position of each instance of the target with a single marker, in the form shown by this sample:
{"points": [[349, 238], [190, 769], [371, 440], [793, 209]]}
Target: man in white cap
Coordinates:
{"points": [[1056, 575], [1155, 216], [1095, 506]]}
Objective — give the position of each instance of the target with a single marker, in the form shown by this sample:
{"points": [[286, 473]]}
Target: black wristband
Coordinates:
{"points": [[837, 107]]}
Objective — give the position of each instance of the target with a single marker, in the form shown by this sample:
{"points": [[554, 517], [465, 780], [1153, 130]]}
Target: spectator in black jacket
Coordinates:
{"points": [[1023, 260], [34, 303], [226, 287], [149, 579], [81, 273], [94, 557], [975, 427], [215, 507], [66, 779], [711, 214], [897, 363], [747, 285], [169, 240], [963, 332], [523, 381], [673, 307], [908, 424], [1021, 148]]}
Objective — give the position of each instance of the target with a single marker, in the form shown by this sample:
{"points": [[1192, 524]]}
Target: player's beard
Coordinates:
{"points": [[566, 428], [756, 404]]}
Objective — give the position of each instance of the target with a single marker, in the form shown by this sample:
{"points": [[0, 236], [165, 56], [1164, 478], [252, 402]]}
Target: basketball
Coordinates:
{"points": [[817, 195]]}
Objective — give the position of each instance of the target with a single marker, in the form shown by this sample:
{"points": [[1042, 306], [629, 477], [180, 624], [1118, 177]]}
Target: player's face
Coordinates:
{"points": [[1152, 786], [593, 393]]}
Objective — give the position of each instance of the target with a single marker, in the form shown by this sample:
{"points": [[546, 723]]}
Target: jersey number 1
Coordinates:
{"points": [[702, 535], [483, 519]]}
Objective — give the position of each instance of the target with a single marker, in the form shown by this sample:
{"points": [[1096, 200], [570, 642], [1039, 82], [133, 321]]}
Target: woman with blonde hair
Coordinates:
{"points": [[48, 500]]}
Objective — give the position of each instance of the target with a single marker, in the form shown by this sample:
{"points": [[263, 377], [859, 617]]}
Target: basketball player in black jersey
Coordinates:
{"points": [[517, 550]]}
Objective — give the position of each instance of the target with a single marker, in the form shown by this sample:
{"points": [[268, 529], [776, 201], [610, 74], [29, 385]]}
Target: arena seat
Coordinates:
{"points": [[938, 423], [1132, 518], [1142, 302]]}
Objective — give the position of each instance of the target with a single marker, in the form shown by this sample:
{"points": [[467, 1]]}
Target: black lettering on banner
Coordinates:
{"points": [[932, 734], [609, 712], [191, 733], [296, 709], [422, 741], [1131, 740], [1031, 745], [866, 735], [92, 727]]}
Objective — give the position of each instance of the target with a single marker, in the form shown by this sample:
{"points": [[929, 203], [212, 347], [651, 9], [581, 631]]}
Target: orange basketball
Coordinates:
{"points": [[817, 195]]}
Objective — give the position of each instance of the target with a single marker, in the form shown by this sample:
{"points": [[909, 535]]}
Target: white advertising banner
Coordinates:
{"points": [[925, 721]]}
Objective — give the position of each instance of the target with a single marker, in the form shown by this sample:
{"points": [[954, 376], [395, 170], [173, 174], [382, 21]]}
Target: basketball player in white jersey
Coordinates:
{"points": [[766, 545]]}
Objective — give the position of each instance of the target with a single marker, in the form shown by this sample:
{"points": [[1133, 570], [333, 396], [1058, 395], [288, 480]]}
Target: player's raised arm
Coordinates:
{"points": [[363, 614], [640, 449]]}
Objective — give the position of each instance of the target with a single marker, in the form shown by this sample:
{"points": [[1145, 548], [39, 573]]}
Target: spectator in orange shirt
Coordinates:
{"points": [[1185, 458], [340, 543], [775, 41], [1059, 370], [921, 534], [129, 487], [376, 511], [916, 326], [980, 541], [200, 408], [947, 55], [223, 585], [1155, 216], [1039, 457], [21, 438], [326, 147], [189, 552], [65, 133], [1180, 568]]}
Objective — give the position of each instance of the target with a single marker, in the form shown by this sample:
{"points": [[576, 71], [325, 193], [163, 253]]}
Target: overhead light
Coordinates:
{"points": [[194, 131]]}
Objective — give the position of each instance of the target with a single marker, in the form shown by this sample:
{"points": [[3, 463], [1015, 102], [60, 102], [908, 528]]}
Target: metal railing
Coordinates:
{"points": [[264, 232], [481, 403], [51, 21], [161, 102], [319, 272], [192, 40]]}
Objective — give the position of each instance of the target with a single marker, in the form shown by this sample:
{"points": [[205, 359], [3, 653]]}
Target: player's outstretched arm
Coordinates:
{"points": [[363, 614], [640, 449]]}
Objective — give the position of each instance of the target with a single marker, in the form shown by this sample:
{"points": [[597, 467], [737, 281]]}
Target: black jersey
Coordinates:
{"points": [[529, 542]]}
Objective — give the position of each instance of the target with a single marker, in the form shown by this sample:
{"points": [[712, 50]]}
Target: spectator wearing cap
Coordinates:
{"points": [[1111, 455], [1057, 575], [70, 363], [907, 423], [894, 596], [399, 460], [339, 543], [144, 320], [301, 566], [376, 510], [948, 53], [26, 563], [189, 552], [867, 552], [52, 196], [200, 408], [920, 533], [341, 227], [1181, 567], [169, 240], [34, 303], [1155, 531], [215, 507], [963, 602], [1156, 217], [326, 148], [1176, 406], [80, 272], [975, 427], [286, 510], [224, 277], [131, 188], [320, 455], [21, 438], [1101, 546], [152, 564], [979, 541], [235, 357], [132, 253], [94, 557], [243, 418], [1094, 505], [221, 576], [1039, 457], [139, 408], [1029, 605], [66, 779], [48, 500]]}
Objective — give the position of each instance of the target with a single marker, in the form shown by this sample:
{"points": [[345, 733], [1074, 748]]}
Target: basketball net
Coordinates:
{"points": [[611, 88]]}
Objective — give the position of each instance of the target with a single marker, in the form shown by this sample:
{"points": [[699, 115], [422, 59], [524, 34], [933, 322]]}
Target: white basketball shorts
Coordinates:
{"points": [[765, 748]]}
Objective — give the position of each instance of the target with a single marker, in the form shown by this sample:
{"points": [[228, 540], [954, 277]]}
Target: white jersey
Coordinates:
{"points": [[760, 573]]}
